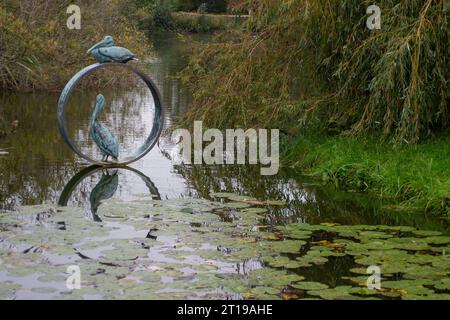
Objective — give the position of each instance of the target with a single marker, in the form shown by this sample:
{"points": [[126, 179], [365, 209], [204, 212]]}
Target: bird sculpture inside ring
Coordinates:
{"points": [[107, 54], [103, 138]]}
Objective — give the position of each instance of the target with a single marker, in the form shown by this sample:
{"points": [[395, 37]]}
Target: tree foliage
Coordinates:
{"points": [[38, 51], [303, 61]]}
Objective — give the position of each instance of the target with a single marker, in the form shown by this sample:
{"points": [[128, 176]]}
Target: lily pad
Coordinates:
{"points": [[307, 286], [338, 293]]}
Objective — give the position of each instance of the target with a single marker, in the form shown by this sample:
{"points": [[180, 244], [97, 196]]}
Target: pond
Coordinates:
{"points": [[157, 230]]}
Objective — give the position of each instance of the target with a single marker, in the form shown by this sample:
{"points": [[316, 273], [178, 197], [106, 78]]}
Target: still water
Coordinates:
{"points": [[40, 169]]}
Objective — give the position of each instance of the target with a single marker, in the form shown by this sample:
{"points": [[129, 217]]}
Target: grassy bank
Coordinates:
{"points": [[188, 15], [418, 176], [164, 18], [198, 22]]}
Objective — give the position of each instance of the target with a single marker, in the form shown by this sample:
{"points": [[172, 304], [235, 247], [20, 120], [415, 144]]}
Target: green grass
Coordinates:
{"points": [[195, 22], [416, 175]]}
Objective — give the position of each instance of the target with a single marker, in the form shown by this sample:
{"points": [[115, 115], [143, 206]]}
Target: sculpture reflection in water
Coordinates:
{"points": [[105, 188]]}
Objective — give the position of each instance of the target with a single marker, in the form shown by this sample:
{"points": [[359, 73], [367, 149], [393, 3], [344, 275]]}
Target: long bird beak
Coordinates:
{"points": [[96, 46], [100, 100]]}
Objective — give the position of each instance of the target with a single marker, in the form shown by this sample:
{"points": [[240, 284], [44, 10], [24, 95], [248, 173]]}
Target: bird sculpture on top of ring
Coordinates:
{"points": [[106, 51]]}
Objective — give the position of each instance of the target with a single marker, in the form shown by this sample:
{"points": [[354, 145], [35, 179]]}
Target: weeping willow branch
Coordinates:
{"points": [[319, 61]]}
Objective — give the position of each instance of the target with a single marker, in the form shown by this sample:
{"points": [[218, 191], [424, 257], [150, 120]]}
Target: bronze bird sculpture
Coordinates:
{"points": [[106, 51], [102, 136]]}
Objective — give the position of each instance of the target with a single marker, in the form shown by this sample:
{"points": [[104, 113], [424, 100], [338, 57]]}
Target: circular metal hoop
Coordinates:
{"points": [[150, 141]]}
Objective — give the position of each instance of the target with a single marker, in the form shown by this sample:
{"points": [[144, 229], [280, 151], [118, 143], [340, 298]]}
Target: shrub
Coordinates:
{"points": [[50, 54], [162, 17]]}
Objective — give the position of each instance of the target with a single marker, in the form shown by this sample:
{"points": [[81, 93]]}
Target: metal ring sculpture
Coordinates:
{"points": [[150, 141]]}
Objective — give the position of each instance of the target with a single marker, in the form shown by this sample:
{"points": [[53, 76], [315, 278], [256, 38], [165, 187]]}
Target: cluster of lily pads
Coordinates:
{"points": [[212, 249]]}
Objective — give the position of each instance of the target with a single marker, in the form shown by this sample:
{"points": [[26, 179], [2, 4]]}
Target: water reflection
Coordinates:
{"points": [[105, 189], [308, 201]]}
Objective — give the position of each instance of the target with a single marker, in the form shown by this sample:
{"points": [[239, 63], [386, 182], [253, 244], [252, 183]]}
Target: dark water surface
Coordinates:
{"points": [[40, 169]]}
